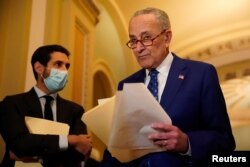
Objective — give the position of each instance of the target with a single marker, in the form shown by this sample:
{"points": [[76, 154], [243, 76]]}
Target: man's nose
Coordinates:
{"points": [[139, 46]]}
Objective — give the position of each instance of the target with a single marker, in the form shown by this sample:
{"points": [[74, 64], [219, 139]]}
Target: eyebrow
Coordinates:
{"points": [[61, 62], [141, 34]]}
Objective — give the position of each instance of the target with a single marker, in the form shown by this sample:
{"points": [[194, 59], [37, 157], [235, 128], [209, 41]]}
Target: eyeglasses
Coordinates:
{"points": [[132, 44]]}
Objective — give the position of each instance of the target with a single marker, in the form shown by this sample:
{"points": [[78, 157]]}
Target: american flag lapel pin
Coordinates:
{"points": [[181, 76]]}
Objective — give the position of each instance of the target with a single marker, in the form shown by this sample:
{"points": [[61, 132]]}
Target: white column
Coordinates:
{"points": [[36, 38]]}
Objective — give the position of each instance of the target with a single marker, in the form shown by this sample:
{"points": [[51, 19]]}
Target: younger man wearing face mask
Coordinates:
{"points": [[50, 65]]}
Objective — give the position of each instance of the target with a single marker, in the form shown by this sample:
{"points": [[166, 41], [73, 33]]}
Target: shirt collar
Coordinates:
{"points": [[40, 93]]}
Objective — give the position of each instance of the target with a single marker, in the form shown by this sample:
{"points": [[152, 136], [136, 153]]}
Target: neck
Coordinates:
{"points": [[40, 84]]}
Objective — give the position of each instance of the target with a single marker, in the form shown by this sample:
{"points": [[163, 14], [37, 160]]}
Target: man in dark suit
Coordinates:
{"points": [[187, 90], [50, 67]]}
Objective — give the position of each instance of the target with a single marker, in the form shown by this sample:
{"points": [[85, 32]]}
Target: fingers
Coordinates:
{"points": [[163, 127], [163, 144], [13, 156], [169, 137], [82, 143], [160, 136]]}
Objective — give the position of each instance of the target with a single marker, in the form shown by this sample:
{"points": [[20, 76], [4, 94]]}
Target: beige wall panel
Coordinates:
{"points": [[14, 30]]}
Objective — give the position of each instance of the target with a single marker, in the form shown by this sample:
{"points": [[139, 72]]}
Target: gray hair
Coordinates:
{"points": [[159, 14]]}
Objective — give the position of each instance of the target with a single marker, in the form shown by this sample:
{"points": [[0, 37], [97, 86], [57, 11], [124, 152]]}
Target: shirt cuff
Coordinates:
{"points": [[189, 153], [63, 142]]}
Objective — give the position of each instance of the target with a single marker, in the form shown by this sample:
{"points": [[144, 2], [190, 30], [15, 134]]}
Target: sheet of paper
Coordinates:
{"points": [[102, 101], [135, 110], [43, 126], [123, 122], [99, 119]]}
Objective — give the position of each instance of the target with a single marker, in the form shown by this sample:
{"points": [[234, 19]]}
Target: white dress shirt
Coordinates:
{"points": [[163, 70], [63, 140]]}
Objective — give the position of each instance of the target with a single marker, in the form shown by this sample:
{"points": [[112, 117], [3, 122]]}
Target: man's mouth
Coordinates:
{"points": [[142, 56]]}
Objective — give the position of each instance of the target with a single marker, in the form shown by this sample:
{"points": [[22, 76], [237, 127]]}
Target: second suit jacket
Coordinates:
{"points": [[193, 99], [16, 135]]}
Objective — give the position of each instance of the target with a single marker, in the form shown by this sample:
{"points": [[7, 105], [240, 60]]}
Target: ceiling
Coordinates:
{"points": [[195, 20], [196, 24]]}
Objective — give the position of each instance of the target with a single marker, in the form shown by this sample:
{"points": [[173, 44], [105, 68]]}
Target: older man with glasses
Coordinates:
{"points": [[187, 90]]}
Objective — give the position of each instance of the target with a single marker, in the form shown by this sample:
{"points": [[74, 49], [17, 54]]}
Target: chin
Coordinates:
{"points": [[145, 64]]}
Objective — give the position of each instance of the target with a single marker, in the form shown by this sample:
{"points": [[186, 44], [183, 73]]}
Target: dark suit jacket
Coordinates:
{"points": [[14, 108], [194, 101]]}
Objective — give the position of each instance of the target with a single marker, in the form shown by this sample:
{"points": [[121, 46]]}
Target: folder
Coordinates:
{"points": [[43, 126]]}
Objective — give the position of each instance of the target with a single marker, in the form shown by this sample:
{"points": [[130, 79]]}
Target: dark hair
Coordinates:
{"points": [[43, 55]]}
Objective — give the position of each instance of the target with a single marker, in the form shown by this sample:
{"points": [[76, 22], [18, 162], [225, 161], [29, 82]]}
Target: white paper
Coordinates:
{"points": [[135, 110], [123, 122], [99, 119]]}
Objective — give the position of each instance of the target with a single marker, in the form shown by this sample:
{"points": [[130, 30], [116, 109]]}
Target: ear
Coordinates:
{"points": [[39, 68], [168, 36]]}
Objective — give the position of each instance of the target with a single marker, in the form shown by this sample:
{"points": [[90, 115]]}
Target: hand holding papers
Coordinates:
{"points": [[126, 118]]}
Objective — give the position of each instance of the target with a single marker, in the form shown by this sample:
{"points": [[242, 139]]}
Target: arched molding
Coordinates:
{"points": [[101, 65], [201, 43], [232, 57], [103, 86], [117, 17], [226, 52], [90, 9], [122, 28]]}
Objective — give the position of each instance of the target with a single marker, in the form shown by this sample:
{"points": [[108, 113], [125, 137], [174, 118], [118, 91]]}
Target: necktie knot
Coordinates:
{"points": [[153, 73], [153, 83], [47, 108], [48, 98]]}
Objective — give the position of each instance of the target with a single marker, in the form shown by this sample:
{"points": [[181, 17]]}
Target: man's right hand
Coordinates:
{"points": [[82, 143]]}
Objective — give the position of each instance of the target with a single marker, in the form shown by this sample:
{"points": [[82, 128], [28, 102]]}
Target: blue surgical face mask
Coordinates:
{"points": [[56, 80]]}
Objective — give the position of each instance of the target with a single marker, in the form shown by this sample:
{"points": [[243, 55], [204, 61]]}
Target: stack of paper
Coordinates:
{"points": [[123, 122]]}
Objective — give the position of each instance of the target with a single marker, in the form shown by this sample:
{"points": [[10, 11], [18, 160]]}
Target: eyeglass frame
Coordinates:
{"points": [[141, 40]]}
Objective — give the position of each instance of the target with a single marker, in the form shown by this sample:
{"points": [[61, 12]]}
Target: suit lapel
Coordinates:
{"points": [[34, 105], [177, 74], [141, 76], [60, 108]]}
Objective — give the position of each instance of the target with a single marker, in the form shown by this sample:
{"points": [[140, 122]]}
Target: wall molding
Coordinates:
{"points": [[222, 48]]}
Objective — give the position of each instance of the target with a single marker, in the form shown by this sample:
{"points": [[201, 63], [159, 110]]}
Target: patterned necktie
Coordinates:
{"points": [[153, 83], [47, 108]]}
